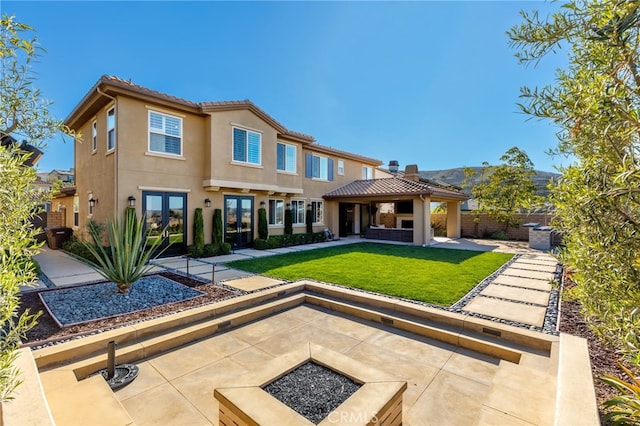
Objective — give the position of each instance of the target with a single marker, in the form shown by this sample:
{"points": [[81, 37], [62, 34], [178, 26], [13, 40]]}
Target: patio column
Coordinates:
{"points": [[426, 208], [453, 219]]}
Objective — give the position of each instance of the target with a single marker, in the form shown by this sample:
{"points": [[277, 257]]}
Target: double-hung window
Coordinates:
{"points": [[286, 157], [367, 172], [317, 207], [276, 212], [247, 146], [298, 212], [165, 133], [111, 129], [94, 136], [341, 167], [76, 211], [318, 167]]}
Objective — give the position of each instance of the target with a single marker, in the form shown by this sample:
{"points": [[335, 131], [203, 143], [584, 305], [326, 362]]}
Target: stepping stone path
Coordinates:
{"points": [[520, 293]]}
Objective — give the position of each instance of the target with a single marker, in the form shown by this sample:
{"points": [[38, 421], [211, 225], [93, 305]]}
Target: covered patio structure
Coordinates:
{"points": [[394, 208]]}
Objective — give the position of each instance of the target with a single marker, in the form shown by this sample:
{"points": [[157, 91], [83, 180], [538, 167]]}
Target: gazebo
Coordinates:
{"points": [[356, 207]]}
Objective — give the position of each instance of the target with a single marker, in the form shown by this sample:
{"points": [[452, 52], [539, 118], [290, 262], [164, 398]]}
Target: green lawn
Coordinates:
{"points": [[433, 275]]}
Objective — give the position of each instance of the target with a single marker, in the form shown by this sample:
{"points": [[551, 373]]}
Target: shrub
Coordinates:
{"points": [[263, 228], [225, 248], [194, 251], [78, 249], [309, 221], [625, 408], [260, 244], [198, 229], [217, 227], [500, 235], [288, 222], [210, 250]]}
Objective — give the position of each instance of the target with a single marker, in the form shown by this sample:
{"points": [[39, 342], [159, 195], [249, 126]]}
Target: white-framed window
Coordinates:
{"points": [[298, 212], [165, 133], [317, 207], [76, 211], [286, 157], [318, 167], [111, 129], [276, 212], [367, 172], [341, 167], [94, 136], [247, 146]]}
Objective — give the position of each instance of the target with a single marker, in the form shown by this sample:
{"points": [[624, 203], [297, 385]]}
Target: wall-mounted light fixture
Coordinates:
{"points": [[288, 205], [93, 202], [131, 200], [309, 206], [207, 202], [262, 203]]}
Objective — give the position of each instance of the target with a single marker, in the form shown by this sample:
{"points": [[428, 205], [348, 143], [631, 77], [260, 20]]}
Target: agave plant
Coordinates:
{"points": [[624, 408], [126, 259]]}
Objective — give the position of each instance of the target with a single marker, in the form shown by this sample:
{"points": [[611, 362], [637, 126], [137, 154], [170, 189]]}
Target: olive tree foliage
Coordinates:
{"points": [[507, 188], [23, 115], [595, 102]]}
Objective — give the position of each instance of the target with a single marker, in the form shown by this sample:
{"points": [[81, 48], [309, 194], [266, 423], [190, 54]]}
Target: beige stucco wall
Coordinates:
{"points": [[205, 170]]}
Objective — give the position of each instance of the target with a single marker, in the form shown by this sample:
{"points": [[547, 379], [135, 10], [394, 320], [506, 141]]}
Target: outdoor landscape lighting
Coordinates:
{"points": [[132, 201], [207, 202]]}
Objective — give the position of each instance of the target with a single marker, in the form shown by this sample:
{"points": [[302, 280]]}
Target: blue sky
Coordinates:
{"points": [[427, 83]]}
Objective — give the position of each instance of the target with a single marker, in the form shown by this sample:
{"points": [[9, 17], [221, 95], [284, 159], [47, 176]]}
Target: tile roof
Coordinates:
{"points": [[395, 186]]}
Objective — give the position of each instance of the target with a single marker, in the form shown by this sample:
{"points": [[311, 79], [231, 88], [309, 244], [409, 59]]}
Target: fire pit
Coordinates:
{"points": [[376, 399]]}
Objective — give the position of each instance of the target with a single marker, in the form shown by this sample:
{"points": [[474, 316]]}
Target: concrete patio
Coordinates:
{"points": [[459, 369]]}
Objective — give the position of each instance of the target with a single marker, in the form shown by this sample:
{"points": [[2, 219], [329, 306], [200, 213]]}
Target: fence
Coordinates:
{"points": [[485, 227]]}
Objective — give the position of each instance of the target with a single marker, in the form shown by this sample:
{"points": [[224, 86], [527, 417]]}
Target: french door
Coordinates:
{"points": [[238, 220], [165, 219]]}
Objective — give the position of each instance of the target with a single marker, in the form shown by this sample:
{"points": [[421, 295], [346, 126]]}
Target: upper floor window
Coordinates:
{"points": [[276, 212], [298, 211], [367, 172], [286, 157], [111, 129], [76, 211], [94, 136], [165, 133], [341, 167], [318, 167], [246, 146]]}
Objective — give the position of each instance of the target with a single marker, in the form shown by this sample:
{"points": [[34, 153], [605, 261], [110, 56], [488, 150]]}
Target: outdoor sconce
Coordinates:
{"points": [[207, 202], [309, 206], [288, 205], [92, 202], [132, 201], [262, 203]]}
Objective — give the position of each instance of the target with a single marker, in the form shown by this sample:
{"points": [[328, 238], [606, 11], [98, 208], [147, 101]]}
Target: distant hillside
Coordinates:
{"points": [[456, 177]]}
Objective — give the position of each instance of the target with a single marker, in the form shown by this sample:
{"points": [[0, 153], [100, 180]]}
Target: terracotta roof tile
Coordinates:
{"points": [[140, 89], [395, 186]]}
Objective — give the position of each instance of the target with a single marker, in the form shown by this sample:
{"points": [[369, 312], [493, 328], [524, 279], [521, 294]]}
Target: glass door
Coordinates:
{"points": [[165, 219], [238, 217]]}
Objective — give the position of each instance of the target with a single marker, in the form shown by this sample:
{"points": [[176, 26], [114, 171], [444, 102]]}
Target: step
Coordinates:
{"points": [[519, 395]]}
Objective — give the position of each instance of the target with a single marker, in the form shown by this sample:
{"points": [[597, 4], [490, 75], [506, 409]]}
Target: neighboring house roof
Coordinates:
{"points": [[393, 187]]}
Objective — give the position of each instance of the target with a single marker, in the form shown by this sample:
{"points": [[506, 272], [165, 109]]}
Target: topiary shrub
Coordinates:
{"points": [[225, 248], [217, 227], [198, 229], [263, 228], [288, 222], [260, 244], [210, 250], [309, 221]]}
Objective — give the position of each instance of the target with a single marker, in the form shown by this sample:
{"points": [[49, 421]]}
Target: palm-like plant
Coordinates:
{"points": [[624, 408], [126, 259]]}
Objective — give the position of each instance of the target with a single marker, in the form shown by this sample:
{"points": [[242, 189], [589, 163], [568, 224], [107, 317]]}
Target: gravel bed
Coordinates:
{"points": [[312, 390], [76, 305]]}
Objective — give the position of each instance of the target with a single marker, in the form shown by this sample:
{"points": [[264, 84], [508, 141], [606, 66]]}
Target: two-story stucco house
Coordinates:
{"points": [[167, 156]]}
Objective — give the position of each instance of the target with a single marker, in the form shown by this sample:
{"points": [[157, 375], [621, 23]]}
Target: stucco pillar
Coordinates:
{"points": [[453, 219], [426, 209]]}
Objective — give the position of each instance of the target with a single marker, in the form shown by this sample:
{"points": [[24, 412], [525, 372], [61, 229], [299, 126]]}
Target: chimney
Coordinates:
{"points": [[393, 166], [411, 172]]}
